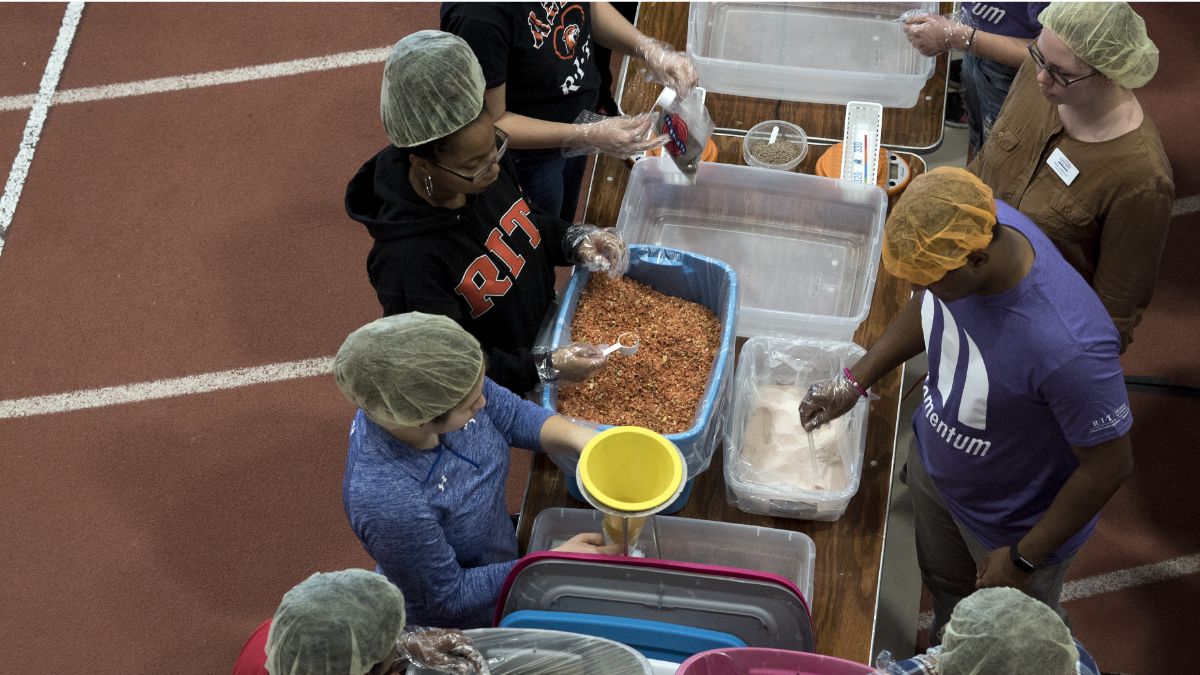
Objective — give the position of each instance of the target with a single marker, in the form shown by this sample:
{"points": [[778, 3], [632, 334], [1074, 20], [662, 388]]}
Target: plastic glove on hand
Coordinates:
{"points": [[577, 361], [597, 249], [932, 34], [667, 66], [827, 400], [446, 650], [620, 137]]}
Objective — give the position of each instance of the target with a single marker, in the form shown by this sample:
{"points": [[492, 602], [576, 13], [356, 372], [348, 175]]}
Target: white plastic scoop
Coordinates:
{"points": [[627, 344]]}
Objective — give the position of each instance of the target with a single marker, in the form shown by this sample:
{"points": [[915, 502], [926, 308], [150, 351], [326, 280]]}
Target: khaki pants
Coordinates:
{"points": [[948, 554]]}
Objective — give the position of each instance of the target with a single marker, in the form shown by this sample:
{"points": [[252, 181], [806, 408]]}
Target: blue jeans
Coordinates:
{"points": [[985, 85], [550, 180]]}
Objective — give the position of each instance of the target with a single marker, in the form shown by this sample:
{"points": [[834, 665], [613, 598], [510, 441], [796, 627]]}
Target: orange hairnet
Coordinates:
{"points": [[942, 216]]}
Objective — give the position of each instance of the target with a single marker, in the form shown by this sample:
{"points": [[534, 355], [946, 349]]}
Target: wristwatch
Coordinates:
{"points": [[1019, 561]]}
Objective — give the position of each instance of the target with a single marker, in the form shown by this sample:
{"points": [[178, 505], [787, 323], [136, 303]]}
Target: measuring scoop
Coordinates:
{"points": [[627, 344]]}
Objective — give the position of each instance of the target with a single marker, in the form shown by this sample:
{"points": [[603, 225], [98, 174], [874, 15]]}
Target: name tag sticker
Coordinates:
{"points": [[1062, 166]]}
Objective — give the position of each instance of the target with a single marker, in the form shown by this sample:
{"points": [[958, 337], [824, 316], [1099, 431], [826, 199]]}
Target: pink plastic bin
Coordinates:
{"points": [[759, 661]]}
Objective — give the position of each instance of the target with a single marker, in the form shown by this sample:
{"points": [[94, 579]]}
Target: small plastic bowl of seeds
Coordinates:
{"points": [[775, 144]]}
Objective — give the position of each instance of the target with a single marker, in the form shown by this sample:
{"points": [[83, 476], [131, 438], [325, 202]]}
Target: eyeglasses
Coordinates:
{"points": [[501, 148], [1055, 74]]}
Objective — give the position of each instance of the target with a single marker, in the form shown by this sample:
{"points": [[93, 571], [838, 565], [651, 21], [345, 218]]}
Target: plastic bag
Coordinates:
{"points": [[688, 126], [441, 650]]}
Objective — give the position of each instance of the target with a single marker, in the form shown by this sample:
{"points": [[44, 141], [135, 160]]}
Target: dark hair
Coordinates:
{"points": [[430, 149]]}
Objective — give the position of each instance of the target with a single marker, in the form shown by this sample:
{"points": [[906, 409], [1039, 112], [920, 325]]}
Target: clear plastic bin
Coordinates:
{"points": [[806, 248], [786, 132], [790, 365], [820, 52], [791, 555]]}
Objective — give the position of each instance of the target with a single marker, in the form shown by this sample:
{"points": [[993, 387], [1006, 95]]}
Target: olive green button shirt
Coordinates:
{"points": [[1111, 222]]}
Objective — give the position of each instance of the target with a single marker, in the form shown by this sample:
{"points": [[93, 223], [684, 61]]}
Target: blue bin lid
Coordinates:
{"points": [[654, 639]]}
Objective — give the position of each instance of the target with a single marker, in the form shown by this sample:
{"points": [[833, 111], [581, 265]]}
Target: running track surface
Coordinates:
{"points": [[177, 234]]}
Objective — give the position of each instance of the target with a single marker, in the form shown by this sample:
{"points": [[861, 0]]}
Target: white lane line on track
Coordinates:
{"points": [[39, 107], [1186, 205], [167, 388], [209, 79], [1112, 582]]}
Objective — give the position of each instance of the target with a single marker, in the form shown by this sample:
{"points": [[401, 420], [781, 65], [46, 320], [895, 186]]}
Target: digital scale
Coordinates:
{"points": [[867, 156]]}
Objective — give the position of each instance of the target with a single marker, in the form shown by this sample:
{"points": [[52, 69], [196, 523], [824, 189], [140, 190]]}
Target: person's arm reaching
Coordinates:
{"points": [[932, 34], [408, 542], [668, 66], [561, 435], [1102, 470], [617, 136], [902, 340]]}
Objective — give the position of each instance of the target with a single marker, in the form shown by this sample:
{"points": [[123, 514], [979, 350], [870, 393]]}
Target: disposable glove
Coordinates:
{"points": [[574, 362], [932, 34], [599, 249], [667, 66], [827, 400], [620, 137]]}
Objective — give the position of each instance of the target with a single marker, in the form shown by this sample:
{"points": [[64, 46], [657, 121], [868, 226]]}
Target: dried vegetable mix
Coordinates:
{"points": [[780, 152], [661, 385]]}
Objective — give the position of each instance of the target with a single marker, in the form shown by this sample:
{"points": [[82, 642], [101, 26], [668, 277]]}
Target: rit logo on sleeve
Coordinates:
{"points": [[482, 279]]}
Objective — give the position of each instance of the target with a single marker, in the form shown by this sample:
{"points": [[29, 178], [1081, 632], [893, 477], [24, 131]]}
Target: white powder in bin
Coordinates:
{"points": [[775, 445]]}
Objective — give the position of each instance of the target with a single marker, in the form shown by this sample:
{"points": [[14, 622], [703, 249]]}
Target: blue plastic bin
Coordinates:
{"points": [[693, 277], [654, 639]]}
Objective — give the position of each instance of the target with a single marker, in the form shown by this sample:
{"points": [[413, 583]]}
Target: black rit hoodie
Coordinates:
{"points": [[488, 265]]}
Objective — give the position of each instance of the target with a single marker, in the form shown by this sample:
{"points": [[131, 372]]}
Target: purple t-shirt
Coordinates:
{"points": [[1013, 19], [1016, 379]]}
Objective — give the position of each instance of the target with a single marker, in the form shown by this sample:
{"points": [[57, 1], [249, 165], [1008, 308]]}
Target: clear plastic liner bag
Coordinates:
{"points": [[523, 651], [771, 465]]}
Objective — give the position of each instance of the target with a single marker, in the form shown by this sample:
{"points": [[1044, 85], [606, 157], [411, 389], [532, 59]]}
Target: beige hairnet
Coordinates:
{"points": [[339, 623], [1003, 631], [432, 87], [407, 369], [942, 216], [1108, 36]]}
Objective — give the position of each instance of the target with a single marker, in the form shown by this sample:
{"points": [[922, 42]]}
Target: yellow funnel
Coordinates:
{"points": [[631, 471]]}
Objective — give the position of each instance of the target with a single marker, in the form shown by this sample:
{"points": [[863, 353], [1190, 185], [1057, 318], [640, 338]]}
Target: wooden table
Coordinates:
{"points": [[849, 550], [917, 129]]}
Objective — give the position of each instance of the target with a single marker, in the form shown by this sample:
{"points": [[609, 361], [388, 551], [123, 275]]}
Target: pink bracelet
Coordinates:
{"points": [[861, 391]]}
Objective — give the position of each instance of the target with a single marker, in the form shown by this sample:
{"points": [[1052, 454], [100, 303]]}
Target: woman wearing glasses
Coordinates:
{"points": [[1074, 151], [453, 233]]}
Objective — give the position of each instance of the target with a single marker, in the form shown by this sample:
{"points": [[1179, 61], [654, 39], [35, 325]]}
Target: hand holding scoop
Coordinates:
{"points": [[627, 344]]}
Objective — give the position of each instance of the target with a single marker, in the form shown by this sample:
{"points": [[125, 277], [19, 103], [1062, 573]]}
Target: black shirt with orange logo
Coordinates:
{"points": [[488, 265], [542, 51]]}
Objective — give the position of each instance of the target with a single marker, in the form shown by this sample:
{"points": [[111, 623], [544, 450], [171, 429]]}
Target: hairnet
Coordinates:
{"points": [[407, 369], [1108, 36], [432, 87], [942, 216], [339, 623], [1004, 631]]}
